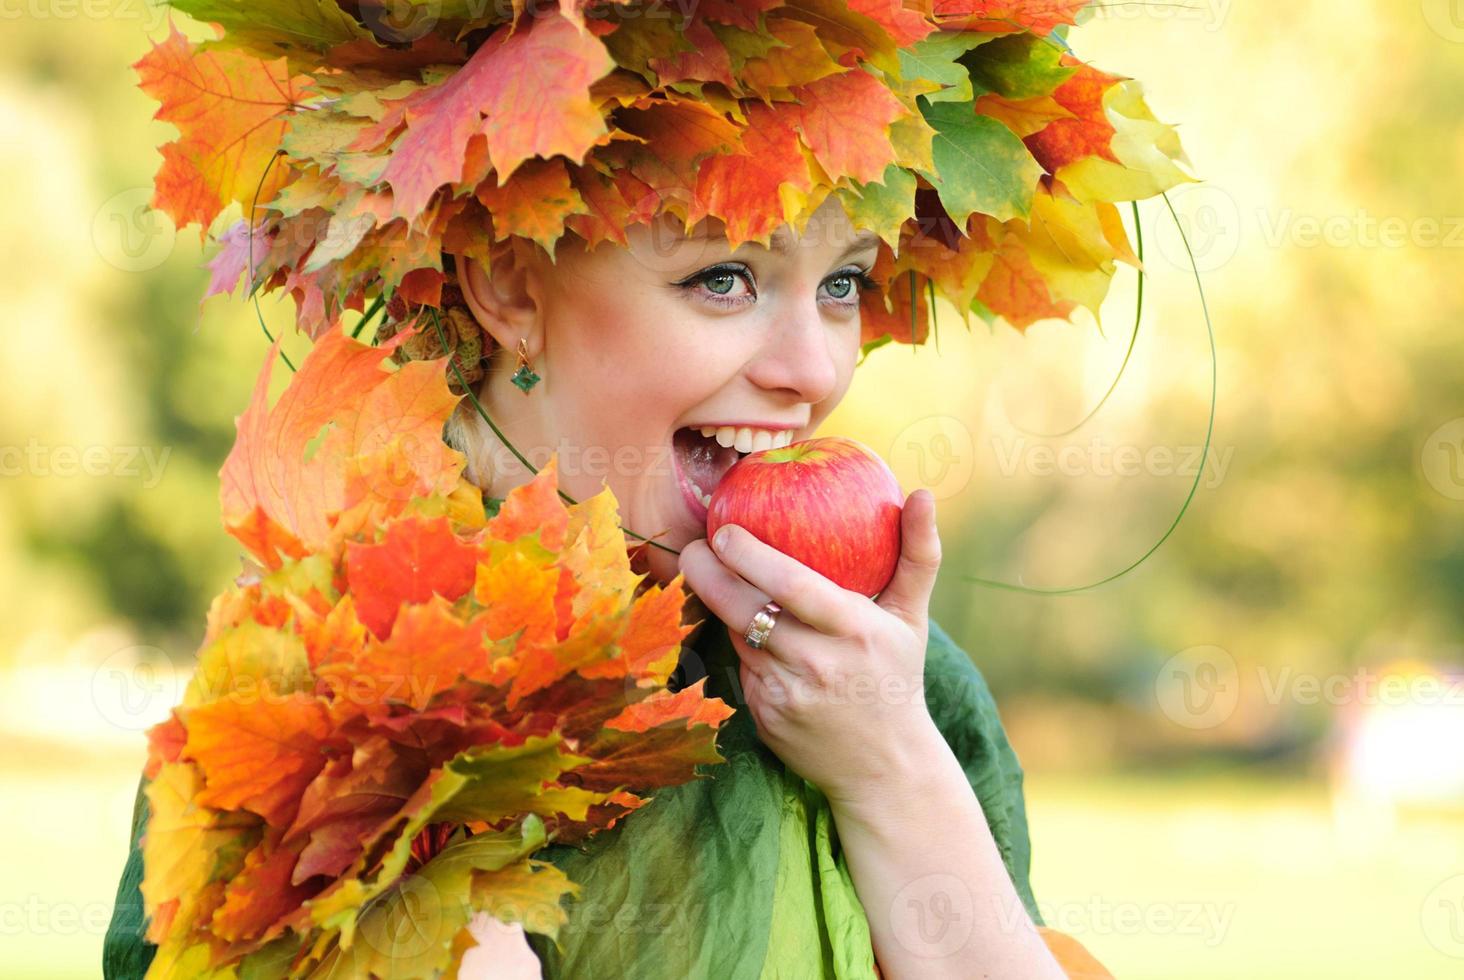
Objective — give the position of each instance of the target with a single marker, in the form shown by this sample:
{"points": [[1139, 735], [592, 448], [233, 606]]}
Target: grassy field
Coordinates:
{"points": [[1173, 877], [1207, 877]]}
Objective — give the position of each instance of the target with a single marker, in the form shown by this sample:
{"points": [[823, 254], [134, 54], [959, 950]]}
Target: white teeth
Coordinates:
{"points": [[747, 439], [701, 494]]}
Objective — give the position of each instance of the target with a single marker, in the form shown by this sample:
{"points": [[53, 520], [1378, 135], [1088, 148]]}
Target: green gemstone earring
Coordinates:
{"points": [[524, 377]]}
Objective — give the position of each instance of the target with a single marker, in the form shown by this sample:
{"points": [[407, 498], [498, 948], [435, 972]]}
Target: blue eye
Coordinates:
{"points": [[726, 280], [719, 281], [854, 279]]}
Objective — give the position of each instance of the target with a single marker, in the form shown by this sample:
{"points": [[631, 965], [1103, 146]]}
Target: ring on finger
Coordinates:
{"points": [[762, 624]]}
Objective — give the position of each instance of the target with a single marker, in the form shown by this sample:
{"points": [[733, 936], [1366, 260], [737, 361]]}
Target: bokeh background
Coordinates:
{"points": [[1245, 757]]}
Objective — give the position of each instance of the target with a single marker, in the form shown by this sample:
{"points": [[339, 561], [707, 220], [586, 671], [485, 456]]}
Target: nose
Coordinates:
{"points": [[798, 357]]}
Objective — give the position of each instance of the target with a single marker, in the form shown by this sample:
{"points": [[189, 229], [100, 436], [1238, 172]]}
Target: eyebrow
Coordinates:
{"points": [[780, 243]]}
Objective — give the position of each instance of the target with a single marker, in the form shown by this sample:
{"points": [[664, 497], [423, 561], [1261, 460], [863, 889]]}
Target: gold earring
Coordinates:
{"points": [[524, 377]]}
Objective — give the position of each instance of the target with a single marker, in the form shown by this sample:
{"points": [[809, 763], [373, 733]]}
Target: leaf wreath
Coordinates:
{"points": [[965, 133]]}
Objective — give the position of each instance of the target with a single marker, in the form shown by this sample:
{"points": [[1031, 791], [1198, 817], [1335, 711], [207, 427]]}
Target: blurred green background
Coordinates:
{"points": [[1245, 758]]}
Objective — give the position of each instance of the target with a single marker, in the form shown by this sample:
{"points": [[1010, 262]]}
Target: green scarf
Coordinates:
{"points": [[736, 875]]}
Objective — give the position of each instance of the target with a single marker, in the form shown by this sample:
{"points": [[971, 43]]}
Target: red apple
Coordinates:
{"points": [[829, 502]]}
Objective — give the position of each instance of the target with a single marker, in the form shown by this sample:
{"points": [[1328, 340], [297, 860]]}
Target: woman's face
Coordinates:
{"points": [[643, 349]]}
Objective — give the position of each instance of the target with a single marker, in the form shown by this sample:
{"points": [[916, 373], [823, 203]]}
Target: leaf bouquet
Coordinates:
{"points": [[401, 699]]}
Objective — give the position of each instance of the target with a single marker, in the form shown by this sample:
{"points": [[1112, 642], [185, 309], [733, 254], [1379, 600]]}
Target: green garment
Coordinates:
{"points": [[737, 875]]}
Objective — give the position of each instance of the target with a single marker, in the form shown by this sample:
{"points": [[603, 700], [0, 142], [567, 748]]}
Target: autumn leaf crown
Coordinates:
{"points": [[368, 142]]}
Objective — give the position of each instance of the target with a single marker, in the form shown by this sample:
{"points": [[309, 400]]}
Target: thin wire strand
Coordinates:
{"points": [[1204, 455], [253, 290], [366, 317], [1133, 340]]}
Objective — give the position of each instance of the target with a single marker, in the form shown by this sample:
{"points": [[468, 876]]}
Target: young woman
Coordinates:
{"points": [[642, 349], [870, 810], [738, 199]]}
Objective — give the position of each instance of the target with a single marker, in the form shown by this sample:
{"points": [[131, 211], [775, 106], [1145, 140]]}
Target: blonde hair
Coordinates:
{"points": [[462, 432]]}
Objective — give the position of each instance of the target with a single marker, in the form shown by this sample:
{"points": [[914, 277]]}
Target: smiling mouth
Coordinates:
{"points": [[703, 461]]}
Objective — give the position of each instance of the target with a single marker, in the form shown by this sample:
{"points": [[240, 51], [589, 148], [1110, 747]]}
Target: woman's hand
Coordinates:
{"points": [[837, 691]]}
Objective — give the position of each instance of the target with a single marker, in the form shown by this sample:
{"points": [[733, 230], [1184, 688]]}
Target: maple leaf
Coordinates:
{"points": [[959, 265], [844, 119], [678, 136], [185, 847], [414, 560], [755, 191], [882, 206], [408, 693], [232, 259], [358, 466], [980, 165], [230, 111], [996, 16], [270, 25], [738, 13], [1069, 244], [261, 893], [428, 651], [852, 33], [706, 60], [500, 94], [1087, 132], [905, 24], [896, 311], [534, 203], [257, 753], [787, 55], [1022, 116], [1015, 289], [1148, 151]]}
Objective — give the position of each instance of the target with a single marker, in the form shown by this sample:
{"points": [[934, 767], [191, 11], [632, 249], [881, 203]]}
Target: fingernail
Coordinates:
{"points": [[719, 542]]}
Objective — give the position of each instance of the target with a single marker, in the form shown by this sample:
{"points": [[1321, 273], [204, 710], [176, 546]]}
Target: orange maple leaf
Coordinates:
{"points": [[257, 753], [845, 119], [750, 191], [1089, 132], [414, 560], [230, 110], [501, 94], [427, 652], [272, 493], [1007, 16], [534, 203], [1014, 289]]}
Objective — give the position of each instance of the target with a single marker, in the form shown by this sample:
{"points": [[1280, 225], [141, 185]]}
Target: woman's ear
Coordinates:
{"points": [[505, 298]]}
